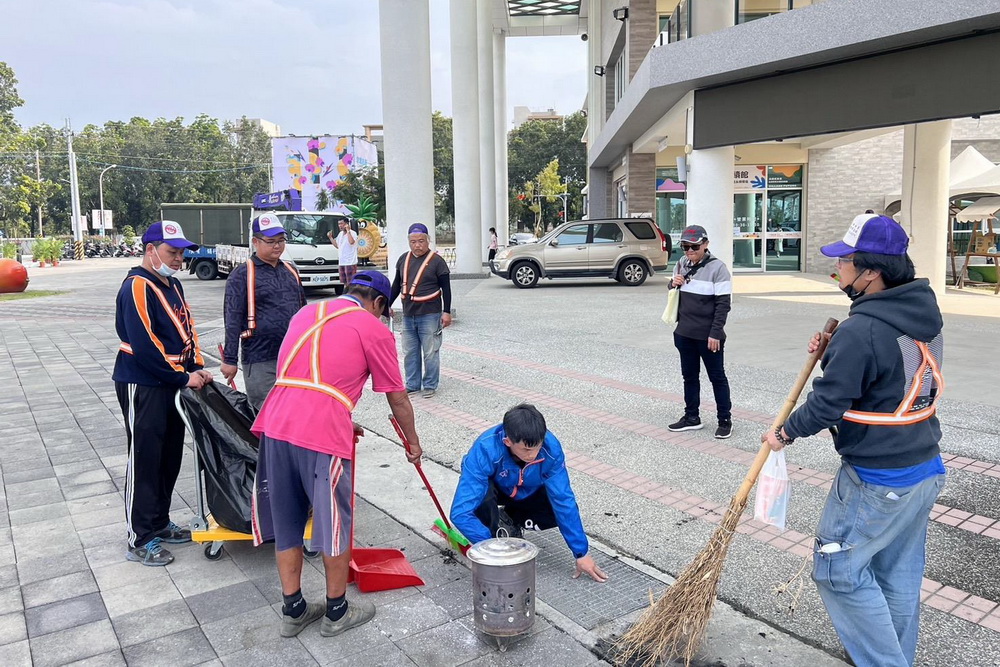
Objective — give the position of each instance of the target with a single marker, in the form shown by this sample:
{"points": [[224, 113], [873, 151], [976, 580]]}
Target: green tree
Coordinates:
{"points": [[444, 171]]}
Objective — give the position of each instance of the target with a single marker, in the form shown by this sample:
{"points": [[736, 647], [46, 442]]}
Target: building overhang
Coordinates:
{"points": [[829, 34], [540, 18]]}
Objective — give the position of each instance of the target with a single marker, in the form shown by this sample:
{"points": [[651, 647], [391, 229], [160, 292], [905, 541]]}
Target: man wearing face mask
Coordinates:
{"points": [[880, 387], [158, 355]]}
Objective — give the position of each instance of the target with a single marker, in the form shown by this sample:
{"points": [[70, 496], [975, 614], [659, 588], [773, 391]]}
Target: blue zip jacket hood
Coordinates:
{"points": [[490, 459]]}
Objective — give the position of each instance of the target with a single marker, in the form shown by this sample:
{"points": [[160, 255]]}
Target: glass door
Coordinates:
{"points": [[748, 224], [783, 238]]}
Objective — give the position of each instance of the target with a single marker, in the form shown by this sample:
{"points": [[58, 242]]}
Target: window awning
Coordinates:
{"points": [[983, 209]]}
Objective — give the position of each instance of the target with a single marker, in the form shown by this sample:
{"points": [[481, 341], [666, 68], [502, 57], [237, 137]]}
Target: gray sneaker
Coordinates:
{"points": [[428, 393], [291, 626], [174, 534], [358, 613], [151, 554]]}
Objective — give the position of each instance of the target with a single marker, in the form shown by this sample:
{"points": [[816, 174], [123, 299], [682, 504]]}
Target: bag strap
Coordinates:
{"points": [[694, 269]]}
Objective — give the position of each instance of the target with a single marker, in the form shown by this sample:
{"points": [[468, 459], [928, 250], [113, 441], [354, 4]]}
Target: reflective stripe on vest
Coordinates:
{"points": [[311, 337], [187, 337], [252, 295], [410, 291], [905, 414]]}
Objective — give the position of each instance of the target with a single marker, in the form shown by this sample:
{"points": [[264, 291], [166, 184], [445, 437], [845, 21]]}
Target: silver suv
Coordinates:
{"points": [[626, 249]]}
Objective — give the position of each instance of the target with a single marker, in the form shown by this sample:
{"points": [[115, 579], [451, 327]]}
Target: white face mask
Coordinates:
{"points": [[162, 269]]}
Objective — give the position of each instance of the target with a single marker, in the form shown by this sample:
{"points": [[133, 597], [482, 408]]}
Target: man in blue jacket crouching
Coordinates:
{"points": [[515, 478]]}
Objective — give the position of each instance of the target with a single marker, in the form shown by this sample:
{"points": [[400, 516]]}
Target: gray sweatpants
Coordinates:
{"points": [[259, 379]]}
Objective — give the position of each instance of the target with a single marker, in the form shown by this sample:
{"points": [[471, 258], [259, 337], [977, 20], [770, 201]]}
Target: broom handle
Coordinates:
{"points": [[420, 471], [793, 396]]}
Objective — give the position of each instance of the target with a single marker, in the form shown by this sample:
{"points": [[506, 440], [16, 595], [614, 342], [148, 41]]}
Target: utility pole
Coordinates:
{"points": [[100, 186], [38, 178], [74, 194]]}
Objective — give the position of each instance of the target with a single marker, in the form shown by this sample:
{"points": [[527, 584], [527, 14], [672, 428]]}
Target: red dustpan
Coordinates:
{"points": [[379, 569]]}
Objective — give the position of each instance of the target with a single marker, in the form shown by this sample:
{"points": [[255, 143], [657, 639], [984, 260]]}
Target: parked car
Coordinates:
{"points": [[521, 238], [625, 249]]}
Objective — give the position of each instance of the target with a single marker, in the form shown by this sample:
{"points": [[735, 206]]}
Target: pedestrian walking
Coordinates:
{"points": [[158, 354], [346, 242], [306, 435], [880, 387], [261, 298], [706, 289], [514, 479], [422, 281], [494, 244]]}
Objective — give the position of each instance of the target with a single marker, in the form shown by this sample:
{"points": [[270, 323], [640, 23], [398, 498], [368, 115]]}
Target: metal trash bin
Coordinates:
{"points": [[503, 586]]}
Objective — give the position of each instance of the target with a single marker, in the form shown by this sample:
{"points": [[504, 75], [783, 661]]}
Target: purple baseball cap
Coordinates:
{"points": [[417, 228], [268, 224], [169, 232], [876, 234], [377, 282]]}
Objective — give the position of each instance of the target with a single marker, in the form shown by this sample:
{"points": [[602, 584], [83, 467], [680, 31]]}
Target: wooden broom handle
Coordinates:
{"points": [[793, 396]]}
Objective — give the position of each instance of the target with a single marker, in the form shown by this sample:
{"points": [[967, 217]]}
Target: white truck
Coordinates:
{"points": [[223, 231]]}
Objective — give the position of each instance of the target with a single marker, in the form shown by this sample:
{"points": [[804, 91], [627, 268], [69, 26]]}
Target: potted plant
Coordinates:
{"points": [[38, 252]]}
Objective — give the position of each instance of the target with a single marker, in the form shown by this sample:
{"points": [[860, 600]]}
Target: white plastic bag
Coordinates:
{"points": [[773, 491], [673, 303]]}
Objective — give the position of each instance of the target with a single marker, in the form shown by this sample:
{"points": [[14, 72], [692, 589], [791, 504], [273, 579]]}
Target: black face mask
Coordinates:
{"points": [[852, 293]]}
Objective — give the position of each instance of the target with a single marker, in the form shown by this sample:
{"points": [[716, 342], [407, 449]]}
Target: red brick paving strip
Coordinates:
{"points": [[934, 594], [974, 523], [953, 461]]}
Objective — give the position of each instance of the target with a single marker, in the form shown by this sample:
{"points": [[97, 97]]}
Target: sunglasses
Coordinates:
{"points": [[691, 246]]}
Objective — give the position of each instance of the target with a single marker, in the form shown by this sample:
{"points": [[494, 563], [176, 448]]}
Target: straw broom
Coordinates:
{"points": [[673, 625]]}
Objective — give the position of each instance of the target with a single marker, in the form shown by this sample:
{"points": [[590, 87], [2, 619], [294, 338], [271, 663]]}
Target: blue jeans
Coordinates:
{"points": [[871, 588], [422, 345]]}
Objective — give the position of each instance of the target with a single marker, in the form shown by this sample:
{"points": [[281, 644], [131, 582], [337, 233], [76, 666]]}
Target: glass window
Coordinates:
{"points": [[621, 76], [784, 230], [751, 10], [310, 228], [641, 230], [575, 235], [607, 232]]}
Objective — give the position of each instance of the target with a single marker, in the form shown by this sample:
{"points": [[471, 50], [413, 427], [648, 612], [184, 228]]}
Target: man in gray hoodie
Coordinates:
{"points": [[880, 386]]}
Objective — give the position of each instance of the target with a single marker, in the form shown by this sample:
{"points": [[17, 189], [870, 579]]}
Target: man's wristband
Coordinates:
{"points": [[782, 439]]}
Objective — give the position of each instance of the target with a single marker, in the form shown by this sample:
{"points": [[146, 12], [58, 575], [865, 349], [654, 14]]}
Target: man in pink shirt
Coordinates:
{"points": [[307, 443]]}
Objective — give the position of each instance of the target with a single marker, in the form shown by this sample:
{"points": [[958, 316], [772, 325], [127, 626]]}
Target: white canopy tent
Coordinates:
{"points": [[971, 173], [983, 209]]}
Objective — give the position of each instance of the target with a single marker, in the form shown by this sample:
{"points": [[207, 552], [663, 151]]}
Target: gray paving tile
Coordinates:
{"points": [[10, 600], [43, 472], [444, 646], [101, 517], [109, 659], [46, 485], [28, 500], [188, 647], [45, 538], [327, 650], [33, 461], [64, 614], [126, 599], [104, 534], [439, 570], [92, 503], [88, 490], [270, 653], [552, 648], [38, 513], [125, 573], [226, 601], [108, 554], [151, 623], [197, 575], [86, 477], [69, 469], [387, 655], [16, 653], [58, 588], [8, 576], [12, 628], [409, 616], [240, 632], [31, 570]]}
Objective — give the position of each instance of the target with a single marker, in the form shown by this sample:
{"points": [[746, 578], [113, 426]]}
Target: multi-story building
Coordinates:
{"points": [[773, 122]]}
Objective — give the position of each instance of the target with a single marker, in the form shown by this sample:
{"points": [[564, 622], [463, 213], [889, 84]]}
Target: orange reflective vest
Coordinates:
{"points": [[410, 291], [908, 411], [311, 338], [188, 336], [252, 295]]}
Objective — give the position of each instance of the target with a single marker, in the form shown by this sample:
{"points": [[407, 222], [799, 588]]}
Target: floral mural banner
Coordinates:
{"points": [[311, 164]]}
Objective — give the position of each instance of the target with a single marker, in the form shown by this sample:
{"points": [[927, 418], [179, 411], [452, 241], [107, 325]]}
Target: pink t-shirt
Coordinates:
{"points": [[352, 348]]}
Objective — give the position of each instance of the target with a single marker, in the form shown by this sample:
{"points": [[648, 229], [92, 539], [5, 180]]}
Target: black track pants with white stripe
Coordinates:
{"points": [[155, 434]]}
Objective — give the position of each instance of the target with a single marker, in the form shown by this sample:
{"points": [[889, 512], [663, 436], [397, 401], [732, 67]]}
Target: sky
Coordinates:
{"points": [[310, 66]]}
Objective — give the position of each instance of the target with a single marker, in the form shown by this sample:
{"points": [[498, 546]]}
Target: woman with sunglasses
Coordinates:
{"points": [[706, 297]]}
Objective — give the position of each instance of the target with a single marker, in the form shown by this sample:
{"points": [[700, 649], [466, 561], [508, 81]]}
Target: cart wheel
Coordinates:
{"points": [[309, 553], [213, 552]]}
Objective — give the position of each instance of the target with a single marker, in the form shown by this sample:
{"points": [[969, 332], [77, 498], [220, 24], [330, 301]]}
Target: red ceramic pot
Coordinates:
{"points": [[13, 276]]}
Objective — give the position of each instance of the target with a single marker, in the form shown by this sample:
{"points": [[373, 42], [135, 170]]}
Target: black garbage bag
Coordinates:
{"points": [[221, 418]]}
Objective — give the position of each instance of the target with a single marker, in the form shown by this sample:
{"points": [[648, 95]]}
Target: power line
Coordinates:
{"points": [[178, 171]]}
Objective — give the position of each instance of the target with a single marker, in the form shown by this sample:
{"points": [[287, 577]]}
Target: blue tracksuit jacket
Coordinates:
{"points": [[490, 459]]}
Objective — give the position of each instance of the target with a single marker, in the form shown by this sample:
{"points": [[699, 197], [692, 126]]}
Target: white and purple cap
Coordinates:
{"points": [[268, 225], [876, 234], [169, 232]]}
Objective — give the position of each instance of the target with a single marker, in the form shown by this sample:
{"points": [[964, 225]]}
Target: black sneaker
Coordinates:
{"points": [[151, 554], [686, 424], [174, 534], [507, 525], [725, 429]]}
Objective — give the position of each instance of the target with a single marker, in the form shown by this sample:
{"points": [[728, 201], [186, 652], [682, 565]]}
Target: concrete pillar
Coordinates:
{"points": [[487, 129], [465, 133], [641, 170], [406, 115], [599, 194], [500, 129], [710, 197], [643, 27], [924, 212]]}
